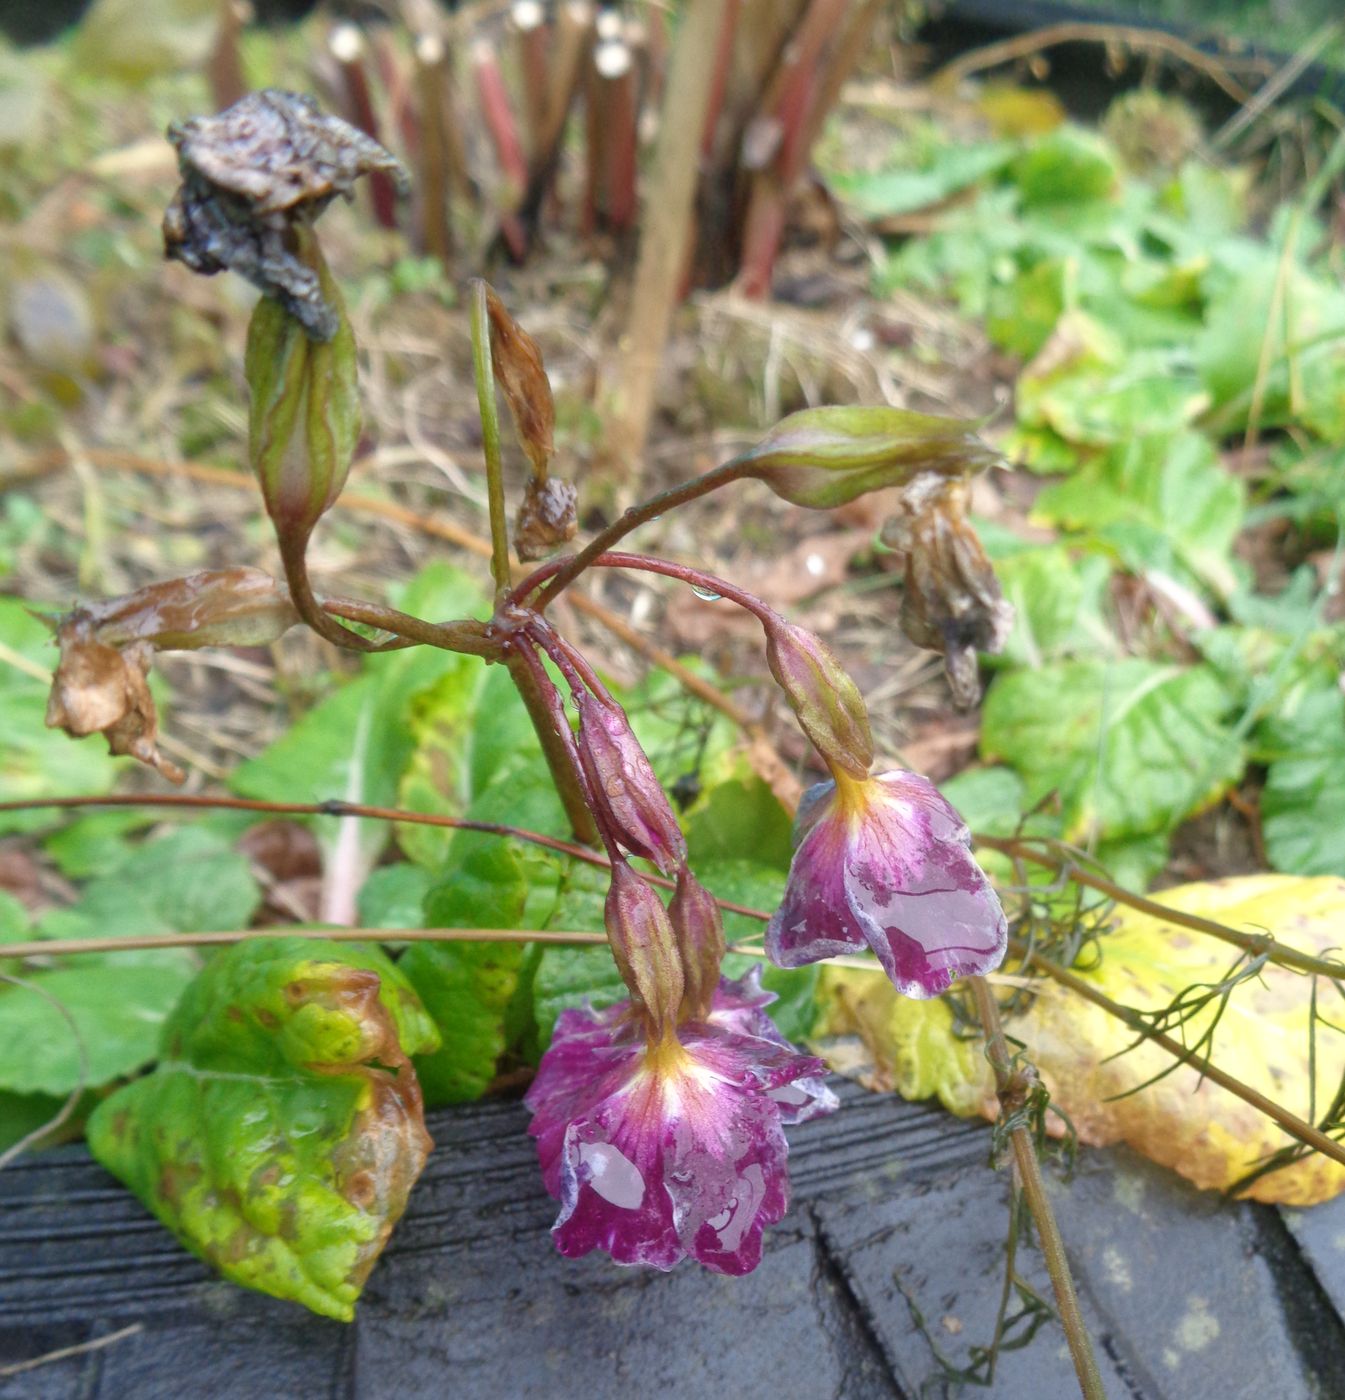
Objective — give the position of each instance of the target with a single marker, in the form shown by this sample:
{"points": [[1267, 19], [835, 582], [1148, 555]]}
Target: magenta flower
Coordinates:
{"points": [[661, 1150], [885, 863]]}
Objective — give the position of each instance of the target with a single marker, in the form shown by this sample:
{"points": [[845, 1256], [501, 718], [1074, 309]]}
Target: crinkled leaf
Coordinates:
{"points": [[1066, 166], [39, 762], [1092, 1067], [1131, 746], [282, 1129]]}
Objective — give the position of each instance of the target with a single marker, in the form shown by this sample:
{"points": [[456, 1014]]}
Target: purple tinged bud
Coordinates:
{"points": [[830, 709], [645, 948], [824, 457], [625, 787], [699, 929]]}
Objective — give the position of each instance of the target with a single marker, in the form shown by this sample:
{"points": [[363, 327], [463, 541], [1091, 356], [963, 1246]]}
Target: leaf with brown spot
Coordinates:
{"points": [[283, 1128]]}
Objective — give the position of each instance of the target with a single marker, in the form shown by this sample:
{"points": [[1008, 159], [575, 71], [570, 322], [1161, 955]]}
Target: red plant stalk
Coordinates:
{"points": [[224, 67], [347, 48], [776, 144], [534, 38], [728, 33], [610, 197], [435, 229], [497, 113], [398, 95]]}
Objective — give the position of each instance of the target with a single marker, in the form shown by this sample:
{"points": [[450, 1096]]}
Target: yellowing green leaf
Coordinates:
{"points": [[282, 1129]]}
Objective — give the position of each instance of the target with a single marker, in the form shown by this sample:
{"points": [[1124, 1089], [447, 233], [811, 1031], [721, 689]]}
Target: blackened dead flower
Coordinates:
{"points": [[251, 178]]}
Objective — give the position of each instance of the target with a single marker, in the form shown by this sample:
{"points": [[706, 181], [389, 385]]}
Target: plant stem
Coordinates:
{"points": [[484, 371], [1253, 944], [566, 571], [1293, 1125], [1010, 1089], [563, 773]]}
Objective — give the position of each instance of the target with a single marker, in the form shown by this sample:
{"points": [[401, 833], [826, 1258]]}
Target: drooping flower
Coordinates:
{"points": [[668, 1148], [885, 863]]}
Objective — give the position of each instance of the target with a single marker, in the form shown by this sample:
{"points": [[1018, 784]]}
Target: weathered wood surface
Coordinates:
{"points": [[1187, 1297]]}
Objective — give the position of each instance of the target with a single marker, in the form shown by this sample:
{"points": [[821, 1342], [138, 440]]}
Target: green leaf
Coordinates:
{"points": [[136, 39], [357, 743], [95, 843], [572, 977], [39, 762], [737, 816], [1131, 746], [282, 1129], [1161, 502], [393, 897], [1058, 601], [117, 1007], [884, 193], [468, 987], [1066, 166], [1303, 804], [1023, 312]]}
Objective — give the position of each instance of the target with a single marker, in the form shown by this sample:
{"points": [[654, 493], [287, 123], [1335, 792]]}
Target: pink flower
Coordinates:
{"points": [[658, 1150], [885, 863]]}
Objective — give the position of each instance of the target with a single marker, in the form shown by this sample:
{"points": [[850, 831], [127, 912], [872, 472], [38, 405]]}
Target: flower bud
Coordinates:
{"points": [[625, 787], [645, 947], [699, 929], [824, 457], [304, 419], [830, 709]]}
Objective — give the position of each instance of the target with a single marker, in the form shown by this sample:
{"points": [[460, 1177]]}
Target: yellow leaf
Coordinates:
{"points": [[1204, 1132]]}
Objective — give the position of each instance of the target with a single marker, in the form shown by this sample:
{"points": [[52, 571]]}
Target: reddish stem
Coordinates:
{"points": [[347, 47]]}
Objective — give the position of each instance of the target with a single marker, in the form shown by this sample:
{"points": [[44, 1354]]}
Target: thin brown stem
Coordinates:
{"points": [[1253, 944], [1010, 1086], [1297, 1127]]}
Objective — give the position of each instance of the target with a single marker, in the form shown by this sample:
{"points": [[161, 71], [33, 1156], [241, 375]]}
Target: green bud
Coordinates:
{"points": [[304, 421], [824, 457], [644, 946], [830, 709]]}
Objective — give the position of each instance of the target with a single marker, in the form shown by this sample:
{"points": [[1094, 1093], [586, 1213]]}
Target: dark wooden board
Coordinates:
{"points": [[1187, 1297]]}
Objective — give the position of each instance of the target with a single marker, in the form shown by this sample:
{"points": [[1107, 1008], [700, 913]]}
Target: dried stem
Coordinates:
{"points": [[664, 240], [1297, 1127], [1010, 1086], [431, 81], [1253, 944]]}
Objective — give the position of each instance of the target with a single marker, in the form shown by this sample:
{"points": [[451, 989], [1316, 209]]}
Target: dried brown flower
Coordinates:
{"points": [[250, 176], [953, 603]]}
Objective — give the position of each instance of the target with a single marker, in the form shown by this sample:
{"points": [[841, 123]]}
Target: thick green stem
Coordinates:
{"points": [[484, 371], [1010, 1089], [557, 756]]}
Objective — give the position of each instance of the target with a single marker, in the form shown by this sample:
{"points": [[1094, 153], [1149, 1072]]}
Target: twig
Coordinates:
{"points": [[431, 80], [1010, 1088], [1253, 944], [17, 1368], [1305, 1132], [1155, 40]]}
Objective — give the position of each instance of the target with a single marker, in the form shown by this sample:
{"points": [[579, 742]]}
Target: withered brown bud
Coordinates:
{"points": [[210, 608], [250, 175], [98, 689], [953, 603], [516, 361], [547, 518], [625, 786], [107, 649], [699, 928]]}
